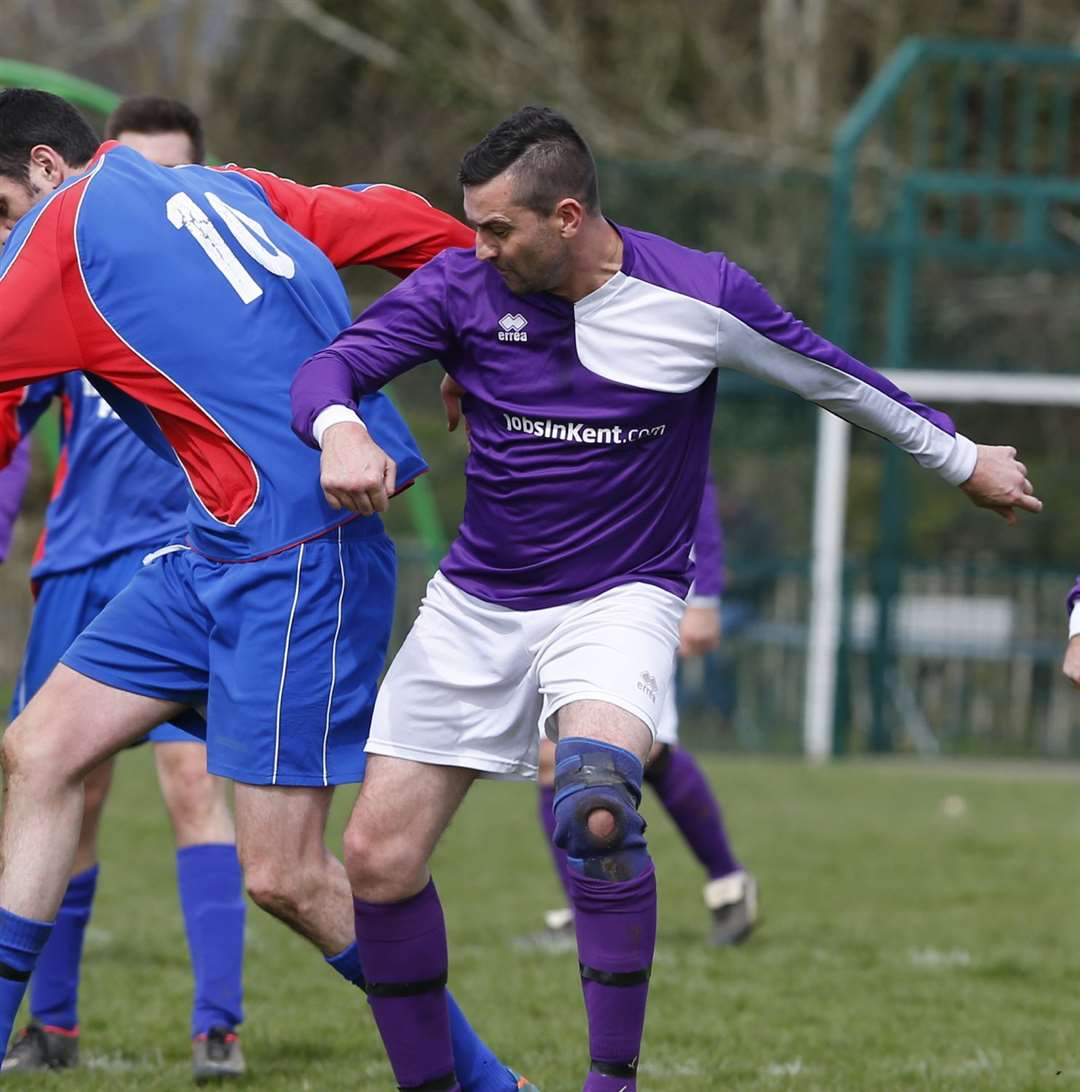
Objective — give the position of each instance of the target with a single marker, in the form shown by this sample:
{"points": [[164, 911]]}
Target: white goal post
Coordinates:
{"points": [[830, 502]]}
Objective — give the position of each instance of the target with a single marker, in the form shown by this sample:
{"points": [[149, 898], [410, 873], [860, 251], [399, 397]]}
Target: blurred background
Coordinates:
{"points": [[903, 176]]}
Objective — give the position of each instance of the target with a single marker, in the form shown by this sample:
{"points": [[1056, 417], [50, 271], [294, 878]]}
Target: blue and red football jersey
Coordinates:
{"points": [[190, 296], [111, 493]]}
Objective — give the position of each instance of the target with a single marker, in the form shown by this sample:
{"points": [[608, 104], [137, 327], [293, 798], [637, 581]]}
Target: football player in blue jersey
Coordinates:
{"points": [[113, 502], [189, 296]]}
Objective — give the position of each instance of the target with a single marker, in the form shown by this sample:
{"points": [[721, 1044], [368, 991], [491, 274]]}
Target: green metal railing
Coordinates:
{"points": [[423, 509], [960, 154]]}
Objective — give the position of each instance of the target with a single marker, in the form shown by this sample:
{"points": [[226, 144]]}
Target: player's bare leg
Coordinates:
{"points": [[95, 792], [600, 761], [195, 800], [401, 935], [69, 727], [288, 871]]}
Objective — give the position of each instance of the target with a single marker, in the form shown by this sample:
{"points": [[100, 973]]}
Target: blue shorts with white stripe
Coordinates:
{"points": [[285, 652]]}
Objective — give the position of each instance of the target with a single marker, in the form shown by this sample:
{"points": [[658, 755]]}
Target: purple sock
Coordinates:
{"points": [[546, 800], [691, 803], [616, 935], [402, 948]]}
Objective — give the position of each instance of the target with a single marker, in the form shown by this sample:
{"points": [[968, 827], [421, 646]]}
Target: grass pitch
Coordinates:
{"points": [[921, 932]]}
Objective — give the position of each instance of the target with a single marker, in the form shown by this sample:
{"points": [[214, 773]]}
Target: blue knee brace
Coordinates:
{"points": [[591, 776]]}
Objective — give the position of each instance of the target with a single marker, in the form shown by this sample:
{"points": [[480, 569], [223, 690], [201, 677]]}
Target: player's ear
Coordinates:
{"points": [[569, 213], [46, 167]]}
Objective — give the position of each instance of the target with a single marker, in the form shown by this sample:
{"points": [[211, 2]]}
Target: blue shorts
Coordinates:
{"points": [[284, 652], [66, 604]]}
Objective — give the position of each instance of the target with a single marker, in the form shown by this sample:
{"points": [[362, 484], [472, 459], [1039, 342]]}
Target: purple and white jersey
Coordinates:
{"points": [[589, 421], [708, 583]]}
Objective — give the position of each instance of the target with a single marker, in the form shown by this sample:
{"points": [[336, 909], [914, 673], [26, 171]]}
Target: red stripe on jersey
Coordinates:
{"points": [[391, 228], [221, 474]]}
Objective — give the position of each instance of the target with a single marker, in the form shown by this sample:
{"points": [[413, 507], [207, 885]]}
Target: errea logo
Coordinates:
{"points": [[648, 685], [512, 328]]}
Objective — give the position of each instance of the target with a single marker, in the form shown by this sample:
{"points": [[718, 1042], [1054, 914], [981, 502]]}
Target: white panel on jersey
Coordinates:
{"points": [[641, 335], [743, 349]]}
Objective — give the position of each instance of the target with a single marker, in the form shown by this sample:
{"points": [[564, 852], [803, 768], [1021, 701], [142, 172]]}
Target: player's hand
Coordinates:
{"points": [[355, 473], [452, 392], [1000, 482], [700, 631], [1071, 666]]}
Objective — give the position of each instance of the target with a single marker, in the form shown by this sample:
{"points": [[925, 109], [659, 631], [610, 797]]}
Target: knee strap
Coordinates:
{"points": [[592, 776]]}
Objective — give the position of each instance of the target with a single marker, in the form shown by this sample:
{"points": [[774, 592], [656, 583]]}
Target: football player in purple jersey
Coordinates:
{"points": [[588, 352]]}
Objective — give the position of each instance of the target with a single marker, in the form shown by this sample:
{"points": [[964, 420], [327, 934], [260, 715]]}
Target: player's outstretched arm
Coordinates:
{"points": [[1000, 482], [355, 473]]}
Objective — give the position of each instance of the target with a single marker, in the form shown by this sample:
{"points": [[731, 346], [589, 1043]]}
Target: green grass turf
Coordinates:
{"points": [[901, 948]]}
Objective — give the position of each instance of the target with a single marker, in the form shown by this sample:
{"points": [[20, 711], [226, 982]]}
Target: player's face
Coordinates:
{"points": [[172, 149], [17, 198], [528, 250], [46, 170]]}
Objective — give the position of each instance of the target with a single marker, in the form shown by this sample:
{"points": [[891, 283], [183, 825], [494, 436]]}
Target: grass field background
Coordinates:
{"points": [[902, 947]]}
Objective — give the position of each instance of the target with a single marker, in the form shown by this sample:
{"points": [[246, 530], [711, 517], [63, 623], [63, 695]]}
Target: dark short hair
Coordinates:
{"points": [[154, 114], [548, 156], [29, 117]]}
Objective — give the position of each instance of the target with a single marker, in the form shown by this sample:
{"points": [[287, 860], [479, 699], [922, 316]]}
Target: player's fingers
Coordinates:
{"points": [[1029, 503], [452, 405], [331, 498], [1023, 469], [377, 498], [1028, 487], [1010, 452], [390, 477]]}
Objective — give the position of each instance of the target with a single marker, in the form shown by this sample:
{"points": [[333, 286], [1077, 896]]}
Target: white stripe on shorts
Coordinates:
{"points": [[333, 660], [285, 665]]}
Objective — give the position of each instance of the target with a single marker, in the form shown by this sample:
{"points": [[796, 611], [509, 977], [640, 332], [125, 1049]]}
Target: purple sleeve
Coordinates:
{"points": [[759, 337], [1073, 597], [708, 547], [406, 327], [12, 483]]}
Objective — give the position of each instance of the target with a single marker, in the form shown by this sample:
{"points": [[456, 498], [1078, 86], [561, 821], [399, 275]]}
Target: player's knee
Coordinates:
{"points": [[597, 792], [380, 867], [30, 753], [196, 803], [277, 888]]}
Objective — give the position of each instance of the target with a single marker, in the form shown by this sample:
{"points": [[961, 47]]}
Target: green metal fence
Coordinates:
{"points": [[961, 156]]}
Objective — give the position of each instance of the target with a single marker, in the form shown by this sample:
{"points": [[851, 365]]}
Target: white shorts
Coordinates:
{"points": [[473, 680], [667, 726]]}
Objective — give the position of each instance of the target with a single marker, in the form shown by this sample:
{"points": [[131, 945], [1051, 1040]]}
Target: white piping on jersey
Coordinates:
{"points": [[176, 547], [285, 665], [643, 335], [333, 661], [209, 416]]}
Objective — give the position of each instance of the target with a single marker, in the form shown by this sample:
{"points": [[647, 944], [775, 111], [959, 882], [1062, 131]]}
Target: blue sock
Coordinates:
{"points": [[21, 942], [478, 1070], [212, 898], [54, 989], [347, 964]]}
